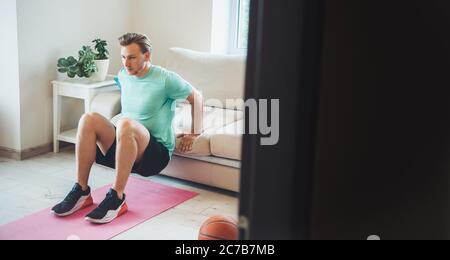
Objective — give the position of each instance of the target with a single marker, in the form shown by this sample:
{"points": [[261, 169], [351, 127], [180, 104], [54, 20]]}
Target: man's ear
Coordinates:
{"points": [[148, 56]]}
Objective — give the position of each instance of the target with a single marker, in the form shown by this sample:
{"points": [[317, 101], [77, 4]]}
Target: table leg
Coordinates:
{"points": [[56, 119]]}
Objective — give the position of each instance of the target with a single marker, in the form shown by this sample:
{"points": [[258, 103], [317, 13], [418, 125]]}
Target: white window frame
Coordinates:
{"points": [[234, 29], [225, 30]]}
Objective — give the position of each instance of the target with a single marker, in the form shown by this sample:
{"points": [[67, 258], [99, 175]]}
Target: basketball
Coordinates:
{"points": [[219, 228]]}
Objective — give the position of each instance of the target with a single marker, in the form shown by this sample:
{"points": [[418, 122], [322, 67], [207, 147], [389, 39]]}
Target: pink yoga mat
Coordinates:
{"points": [[145, 200]]}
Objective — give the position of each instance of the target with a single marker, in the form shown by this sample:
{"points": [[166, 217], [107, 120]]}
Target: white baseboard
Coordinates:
{"points": [[9, 153], [25, 154]]}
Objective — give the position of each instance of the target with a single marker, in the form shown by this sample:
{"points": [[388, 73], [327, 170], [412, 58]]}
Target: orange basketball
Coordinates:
{"points": [[219, 228]]}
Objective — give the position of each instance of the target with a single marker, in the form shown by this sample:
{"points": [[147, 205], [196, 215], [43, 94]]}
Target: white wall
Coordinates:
{"points": [[9, 74], [170, 23], [48, 30]]}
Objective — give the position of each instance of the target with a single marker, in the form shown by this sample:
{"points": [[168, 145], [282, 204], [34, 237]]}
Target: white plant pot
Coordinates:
{"points": [[102, 70]]}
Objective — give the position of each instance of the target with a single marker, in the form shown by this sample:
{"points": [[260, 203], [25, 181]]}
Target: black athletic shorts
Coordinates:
{"points": [[156, 158]]}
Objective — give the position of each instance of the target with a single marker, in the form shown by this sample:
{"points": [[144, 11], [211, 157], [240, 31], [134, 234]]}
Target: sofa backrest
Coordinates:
{"points": [[218, 77]]}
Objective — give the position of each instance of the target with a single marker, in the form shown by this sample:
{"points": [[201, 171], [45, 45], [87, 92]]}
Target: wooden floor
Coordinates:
{"points": [[39, 183]]}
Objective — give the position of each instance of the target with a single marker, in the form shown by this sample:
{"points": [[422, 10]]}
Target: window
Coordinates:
{"points": [[243, 24], [230, 26], [240, 14]]}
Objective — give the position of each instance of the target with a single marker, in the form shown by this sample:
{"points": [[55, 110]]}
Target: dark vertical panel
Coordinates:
{"points": [[283, 63], [383, 145]]}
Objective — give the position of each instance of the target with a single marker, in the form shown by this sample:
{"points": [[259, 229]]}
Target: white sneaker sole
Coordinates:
{"points": [[111, 215], [83, 202]]}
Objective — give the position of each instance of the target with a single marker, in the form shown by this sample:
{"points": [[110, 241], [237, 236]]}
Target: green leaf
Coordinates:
{"points": [[89, 68], [62, 62], [72, 61], [73, 69], [100, 47], [71, 75]]}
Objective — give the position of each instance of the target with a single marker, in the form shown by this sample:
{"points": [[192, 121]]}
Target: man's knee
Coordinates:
{"points": [[125, 129], [88, 122]]}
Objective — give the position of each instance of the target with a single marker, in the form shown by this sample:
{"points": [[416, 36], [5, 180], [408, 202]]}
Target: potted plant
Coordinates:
{"points": [[101, 60], [89, 64], [83, 67]]}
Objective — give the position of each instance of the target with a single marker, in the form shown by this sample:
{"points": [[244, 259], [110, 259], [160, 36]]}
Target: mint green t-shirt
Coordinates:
{"points": [[151, 100]]}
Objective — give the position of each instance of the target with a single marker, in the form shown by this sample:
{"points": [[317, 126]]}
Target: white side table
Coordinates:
{"points": [[80, 89]]}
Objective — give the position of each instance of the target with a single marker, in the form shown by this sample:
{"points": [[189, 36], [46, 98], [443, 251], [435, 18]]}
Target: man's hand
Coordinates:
{"points": [[187, 142]]}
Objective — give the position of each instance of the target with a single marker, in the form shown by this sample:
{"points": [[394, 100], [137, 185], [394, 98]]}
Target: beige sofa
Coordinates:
{"points": [[215, 158]]}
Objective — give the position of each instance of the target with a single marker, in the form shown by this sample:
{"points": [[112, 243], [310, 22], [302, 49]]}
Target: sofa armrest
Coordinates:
{"points": [[107, 104]]}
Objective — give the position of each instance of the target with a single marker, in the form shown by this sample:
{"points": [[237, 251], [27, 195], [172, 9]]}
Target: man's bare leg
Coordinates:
{"points": [[132, 141], [93, 129]]}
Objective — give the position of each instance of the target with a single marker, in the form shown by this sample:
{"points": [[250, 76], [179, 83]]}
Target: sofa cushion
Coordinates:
{"points": [[227, 141], [218, 77], [213, 119], [107, 104]]}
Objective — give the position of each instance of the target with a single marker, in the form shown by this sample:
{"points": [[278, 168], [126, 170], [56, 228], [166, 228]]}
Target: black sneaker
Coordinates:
{"points": [[75, 201], [111, 208]]}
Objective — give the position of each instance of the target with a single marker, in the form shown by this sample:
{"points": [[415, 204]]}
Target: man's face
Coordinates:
{"points": [[133, 59]]}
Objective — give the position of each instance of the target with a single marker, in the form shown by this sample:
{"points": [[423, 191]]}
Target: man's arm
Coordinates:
{"points": [[196, 101]]}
